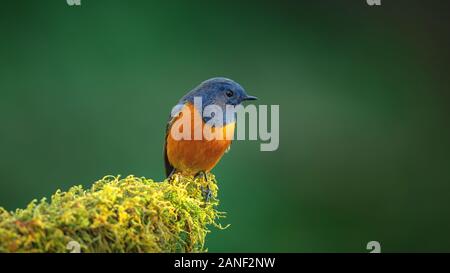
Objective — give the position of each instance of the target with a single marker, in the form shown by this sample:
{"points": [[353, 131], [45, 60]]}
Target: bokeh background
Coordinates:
{"points": [[364, 111]]}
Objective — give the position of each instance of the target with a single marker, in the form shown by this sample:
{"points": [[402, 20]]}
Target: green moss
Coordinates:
{"points": [[116, 215]]}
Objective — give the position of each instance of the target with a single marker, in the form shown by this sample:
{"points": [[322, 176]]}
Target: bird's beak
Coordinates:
{"points": [[250, 98]]}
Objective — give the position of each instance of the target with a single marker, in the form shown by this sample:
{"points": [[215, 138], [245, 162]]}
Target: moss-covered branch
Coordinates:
{"points": [[116, 215]]}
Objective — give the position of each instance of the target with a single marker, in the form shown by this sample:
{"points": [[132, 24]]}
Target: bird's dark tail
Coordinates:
{"points": [[168, 167]]}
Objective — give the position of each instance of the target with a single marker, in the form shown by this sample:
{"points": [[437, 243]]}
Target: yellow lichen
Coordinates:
{"points": [[116, 215]]}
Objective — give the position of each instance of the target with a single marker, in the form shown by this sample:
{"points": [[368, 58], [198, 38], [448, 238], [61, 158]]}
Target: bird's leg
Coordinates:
{"points": [[171, 176], [201, 173], [206, 192]]}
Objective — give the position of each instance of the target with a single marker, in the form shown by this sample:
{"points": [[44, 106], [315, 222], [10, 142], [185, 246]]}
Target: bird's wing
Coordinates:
{"points": [[175, 114], [169, 168]]}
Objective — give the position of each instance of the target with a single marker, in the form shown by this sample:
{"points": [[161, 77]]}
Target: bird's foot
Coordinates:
{"points": [[200, 174], [207, 193], [174, 176]]}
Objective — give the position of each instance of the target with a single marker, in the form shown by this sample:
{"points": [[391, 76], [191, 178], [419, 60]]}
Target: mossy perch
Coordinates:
{"points": [[116, 215]]}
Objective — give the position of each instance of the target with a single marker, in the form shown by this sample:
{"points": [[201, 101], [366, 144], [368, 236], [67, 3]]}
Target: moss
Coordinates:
{"points": [[116, 215]]}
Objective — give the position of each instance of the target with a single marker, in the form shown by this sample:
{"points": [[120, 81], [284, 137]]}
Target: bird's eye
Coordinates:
{"points": [[229, 93]]}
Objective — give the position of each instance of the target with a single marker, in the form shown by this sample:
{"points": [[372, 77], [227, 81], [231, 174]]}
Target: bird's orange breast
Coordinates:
{"points": [[192, 156]]}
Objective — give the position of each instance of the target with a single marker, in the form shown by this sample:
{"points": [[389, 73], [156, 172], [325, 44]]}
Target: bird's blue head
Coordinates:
{"points": [[218, 91]]}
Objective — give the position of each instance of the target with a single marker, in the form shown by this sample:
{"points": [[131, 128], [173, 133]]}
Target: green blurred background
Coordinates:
{"points": [[364, 106]]}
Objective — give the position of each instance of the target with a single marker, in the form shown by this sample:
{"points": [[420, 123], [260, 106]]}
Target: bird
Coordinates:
{"points": [[194, 157]]}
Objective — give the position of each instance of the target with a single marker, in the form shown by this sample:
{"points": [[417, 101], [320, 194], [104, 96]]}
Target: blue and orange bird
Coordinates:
{"points": [[194, 156]]}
